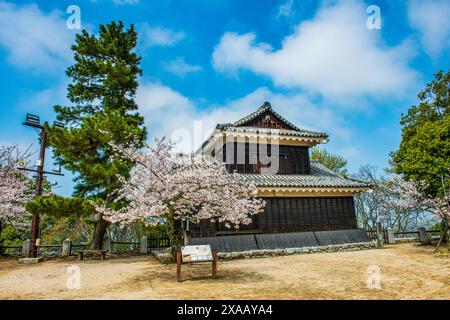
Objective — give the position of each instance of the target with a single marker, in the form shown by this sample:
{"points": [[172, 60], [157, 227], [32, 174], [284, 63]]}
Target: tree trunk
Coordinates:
{"points": [[1, 249], [99, 233], [444, 226], [174, 232], [443, 237]]}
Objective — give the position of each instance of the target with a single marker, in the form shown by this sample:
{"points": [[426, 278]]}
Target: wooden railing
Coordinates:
{"points": [[372, 233], [116, 247], [6, 249]]}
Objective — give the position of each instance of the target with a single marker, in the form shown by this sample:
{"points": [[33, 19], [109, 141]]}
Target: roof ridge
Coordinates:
{"points": [[315, 179], [263, 108], [291, 132], [266, 104], [325, 168]]}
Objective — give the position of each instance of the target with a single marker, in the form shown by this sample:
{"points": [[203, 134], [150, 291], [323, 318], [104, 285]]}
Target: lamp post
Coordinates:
{"points": [[33, 121]]}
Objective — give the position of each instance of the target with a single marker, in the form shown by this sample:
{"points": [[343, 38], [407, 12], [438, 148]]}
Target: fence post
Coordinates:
{"points": [[144, 245], [187, 237], [391, 236], [179, 266], [25, 248], [423, 238], [66, 248], [107, 243], [448, 234], [379, 235]]}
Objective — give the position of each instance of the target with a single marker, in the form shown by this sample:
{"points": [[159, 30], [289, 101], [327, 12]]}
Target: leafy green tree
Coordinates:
{"points": [[333, 162], [58, 206], [104, 83], [424, 151], [55, 229]]}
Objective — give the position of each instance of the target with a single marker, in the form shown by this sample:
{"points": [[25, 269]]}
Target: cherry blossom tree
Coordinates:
{"points": [[381, 203], [166, 188], [411, 194], [14, 186]]}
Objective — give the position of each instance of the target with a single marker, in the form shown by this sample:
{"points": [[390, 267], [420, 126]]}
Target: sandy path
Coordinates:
{"points": [[408, 272]]}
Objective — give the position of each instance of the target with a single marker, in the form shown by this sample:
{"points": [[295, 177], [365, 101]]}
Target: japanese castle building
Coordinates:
{"points": [[301, 194]]}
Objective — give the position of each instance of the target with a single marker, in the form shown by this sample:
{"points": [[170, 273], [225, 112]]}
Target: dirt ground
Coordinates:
{"points": [[408, 271]]}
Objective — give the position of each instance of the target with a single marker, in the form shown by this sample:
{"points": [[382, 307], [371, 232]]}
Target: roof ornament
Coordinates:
{"points": [[266, 104]]}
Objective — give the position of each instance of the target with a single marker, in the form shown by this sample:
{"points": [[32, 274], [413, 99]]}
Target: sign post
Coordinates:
{"points": [[195, 254]]}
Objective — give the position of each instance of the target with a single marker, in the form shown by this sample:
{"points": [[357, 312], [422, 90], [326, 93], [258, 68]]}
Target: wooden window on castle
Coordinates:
{"points": [[292, 159]]}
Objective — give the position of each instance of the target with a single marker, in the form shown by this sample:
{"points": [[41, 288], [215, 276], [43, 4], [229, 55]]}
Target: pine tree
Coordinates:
{"points": [[104, 83], [333, 162]]}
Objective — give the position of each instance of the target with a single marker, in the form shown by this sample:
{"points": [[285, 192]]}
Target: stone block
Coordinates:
{"points": [[423, 238], [164, 258], [26, 248], [106, 244], [144, 245], [391, 236], [31, 260], [66, 248]]}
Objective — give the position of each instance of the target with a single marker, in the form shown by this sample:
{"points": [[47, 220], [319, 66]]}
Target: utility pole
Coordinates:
{"points": [[33, 121]]}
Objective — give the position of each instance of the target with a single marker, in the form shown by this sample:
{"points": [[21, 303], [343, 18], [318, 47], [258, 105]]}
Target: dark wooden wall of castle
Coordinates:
{"points": [[293, 215], [246, 159]]}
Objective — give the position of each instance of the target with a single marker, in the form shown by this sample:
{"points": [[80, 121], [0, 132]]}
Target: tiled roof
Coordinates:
{"points": [[320, 177], [265, 107], [284, 132], [239, 125]]}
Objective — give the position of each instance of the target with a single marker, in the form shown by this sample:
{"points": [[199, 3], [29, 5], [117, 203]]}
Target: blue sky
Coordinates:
{"points": [[208, 62]]}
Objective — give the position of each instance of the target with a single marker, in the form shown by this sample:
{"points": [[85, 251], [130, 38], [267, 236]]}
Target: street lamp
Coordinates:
{"points": [[34, 121]]}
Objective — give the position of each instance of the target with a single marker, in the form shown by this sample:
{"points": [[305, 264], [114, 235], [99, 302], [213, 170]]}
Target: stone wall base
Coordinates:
{"points": [[165, 257], [162, 256], [289, 251]]}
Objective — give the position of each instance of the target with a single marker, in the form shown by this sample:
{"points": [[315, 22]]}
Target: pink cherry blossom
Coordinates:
{"points": [[186, 187], [14, 186], [411, 195]]}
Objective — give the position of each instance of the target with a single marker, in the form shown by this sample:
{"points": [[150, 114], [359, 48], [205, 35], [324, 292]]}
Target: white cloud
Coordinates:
{"points": [[169, 113], [432, 20], [122, 2], [349, 152], [35, 40], [333, 54], [180, 68], [44, 100], [159, 36], [285, 9]]}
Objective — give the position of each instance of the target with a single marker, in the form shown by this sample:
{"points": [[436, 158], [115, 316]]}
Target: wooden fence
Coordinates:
{"points": [[158, 243], [10, 250], [372, 233], [56, 249]]}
